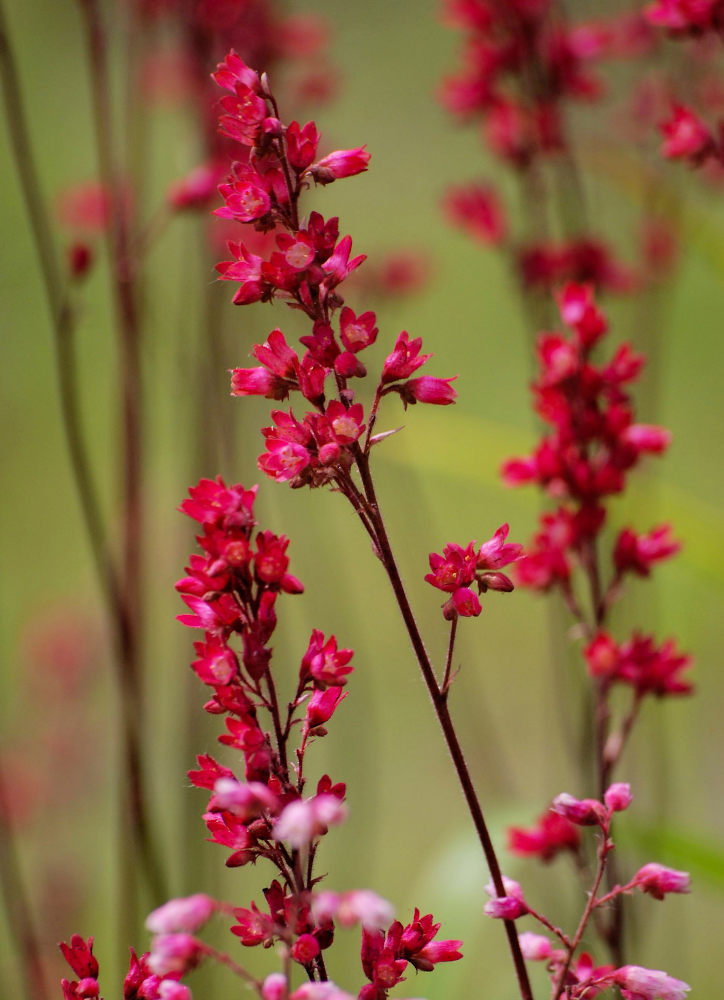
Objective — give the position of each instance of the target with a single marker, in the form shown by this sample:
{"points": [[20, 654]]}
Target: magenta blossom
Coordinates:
{"points": [[457, 569]]}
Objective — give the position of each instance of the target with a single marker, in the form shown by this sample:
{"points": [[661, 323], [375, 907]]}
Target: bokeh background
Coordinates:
{"points": [[517, 700]]}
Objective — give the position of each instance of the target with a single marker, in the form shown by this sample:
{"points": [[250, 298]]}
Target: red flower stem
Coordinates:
{"points": [[590, 906], [229, 962], [372, 419], [21, 923], [613, 932], [562, 937], [128, 327], [445, 686], [439, 701], [276, 718]]}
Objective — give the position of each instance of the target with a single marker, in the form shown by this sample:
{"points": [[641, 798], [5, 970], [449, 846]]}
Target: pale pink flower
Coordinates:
{"points": [[184, 914], [649, 984], [535, 947]]}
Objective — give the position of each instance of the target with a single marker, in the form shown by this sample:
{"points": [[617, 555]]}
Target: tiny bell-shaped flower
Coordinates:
{"points": [[582, 812], [185, 914], [657, 880], [618, 796], [507, 907]]}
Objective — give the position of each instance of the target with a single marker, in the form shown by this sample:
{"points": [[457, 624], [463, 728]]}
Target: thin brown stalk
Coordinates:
{"points": [[439, 699]]}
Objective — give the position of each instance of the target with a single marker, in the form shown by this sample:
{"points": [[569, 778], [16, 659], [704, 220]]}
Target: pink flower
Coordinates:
{"points": [[647, 438], [184, 914], [341, 163], [657, 880], [638, 553], [686, 136], [551, 835], [301, 144], [582, 812], [171, 989], [173, 953], [535, 947], [320, 991], [618, 796], [247, 801], [322, 706], [305, 949], [274, 987], [339, 266], [495, 553], [476, 209], [358, 906], [404, 360], [602, 656], [305, 819], [79, 956], [427, 389], [357, 332], [508, 907], [324, 662], [346, 422], [246, 268], [649, 984], [194, 190], [653, 670]]}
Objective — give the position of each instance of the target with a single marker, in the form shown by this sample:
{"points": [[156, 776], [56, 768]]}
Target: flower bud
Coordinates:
{"points": [[582, 812], [618, 796]]}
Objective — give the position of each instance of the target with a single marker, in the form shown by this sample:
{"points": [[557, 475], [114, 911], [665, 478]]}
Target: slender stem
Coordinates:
{"points": [[439, 701], [274, 711], [62, 319], [128, 328], [590, 905], [445, 686], [229, 962]]}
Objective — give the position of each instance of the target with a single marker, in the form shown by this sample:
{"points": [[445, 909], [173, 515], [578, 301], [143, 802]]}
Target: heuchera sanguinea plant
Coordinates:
{"points": [[233, 586]]}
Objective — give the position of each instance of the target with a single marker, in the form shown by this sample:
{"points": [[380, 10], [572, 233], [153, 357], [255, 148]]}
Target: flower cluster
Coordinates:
{"points": [[521, 64], [457, 568], [306, 270], [231, 590], [686, 134], [585, 459], [577, 973], [593, 445], [385, 956]]}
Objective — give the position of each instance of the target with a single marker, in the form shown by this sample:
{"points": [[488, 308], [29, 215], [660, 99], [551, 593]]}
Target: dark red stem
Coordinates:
{"points": [[438, 696]]}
